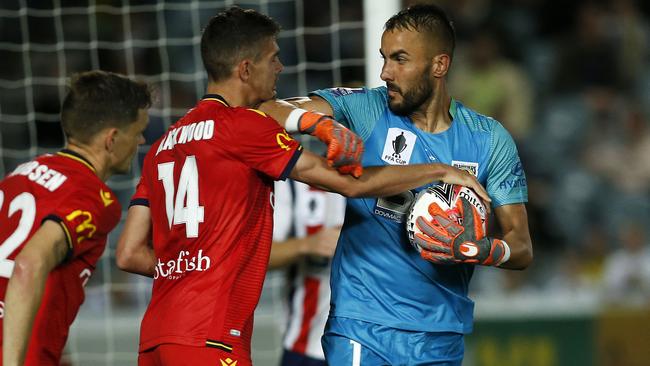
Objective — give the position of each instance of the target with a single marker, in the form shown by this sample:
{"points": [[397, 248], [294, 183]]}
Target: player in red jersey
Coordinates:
{"points": [[56, 212], [205, 199]]}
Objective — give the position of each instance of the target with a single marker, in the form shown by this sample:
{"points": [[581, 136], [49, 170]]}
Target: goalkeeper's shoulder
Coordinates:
{"points": [[357, 108], [363, 97]]}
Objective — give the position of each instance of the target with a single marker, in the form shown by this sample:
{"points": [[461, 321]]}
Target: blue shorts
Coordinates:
{"points": [[290, 358], [358, 343]]}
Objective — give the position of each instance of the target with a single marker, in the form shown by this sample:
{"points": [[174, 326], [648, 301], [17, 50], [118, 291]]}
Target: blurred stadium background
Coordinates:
{"points": [[571, 82]]}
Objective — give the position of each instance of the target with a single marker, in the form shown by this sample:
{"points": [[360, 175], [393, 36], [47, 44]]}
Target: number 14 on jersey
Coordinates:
{"points": [[182, 206]]}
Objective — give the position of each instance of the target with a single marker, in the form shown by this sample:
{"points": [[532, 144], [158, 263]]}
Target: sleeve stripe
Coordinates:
{"points": [[292, 162], [139, 202], [68, 237], [218, 344]]}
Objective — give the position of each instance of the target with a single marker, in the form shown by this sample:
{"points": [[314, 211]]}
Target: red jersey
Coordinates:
{"points": [[64, 188], [209, 183]]}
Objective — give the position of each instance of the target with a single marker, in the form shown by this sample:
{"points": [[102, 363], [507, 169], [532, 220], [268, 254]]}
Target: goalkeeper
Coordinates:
{"points": [[206, 198], [389, 304]]}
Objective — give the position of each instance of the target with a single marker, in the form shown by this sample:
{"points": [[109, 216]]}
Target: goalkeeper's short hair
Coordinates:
{"points": [[429, 19], [231, 36]]}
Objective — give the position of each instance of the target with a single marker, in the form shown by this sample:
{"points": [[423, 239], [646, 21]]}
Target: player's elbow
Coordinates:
{"points": [[524, 258], [26, 269], [528, 257], [123, 258], [135, 259]]}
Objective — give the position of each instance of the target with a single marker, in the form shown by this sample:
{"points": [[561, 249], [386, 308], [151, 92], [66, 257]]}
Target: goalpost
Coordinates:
{"points": [[43, 42], [375, 14]]}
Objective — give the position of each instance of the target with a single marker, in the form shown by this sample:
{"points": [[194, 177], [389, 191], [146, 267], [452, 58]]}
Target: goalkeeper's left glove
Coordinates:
{"points": [[446, 242], [344, 148]]}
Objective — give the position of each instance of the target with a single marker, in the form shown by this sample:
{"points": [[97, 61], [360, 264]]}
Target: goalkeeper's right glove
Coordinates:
{"points": [[344, 147]]}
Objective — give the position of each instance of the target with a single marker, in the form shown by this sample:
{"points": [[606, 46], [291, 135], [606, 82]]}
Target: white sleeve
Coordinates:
{"points": [[283, 213]]}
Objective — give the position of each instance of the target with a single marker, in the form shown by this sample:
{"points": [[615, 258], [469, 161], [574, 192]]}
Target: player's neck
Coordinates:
{"points": [[91, 157], [234, 94], [433, 116]]}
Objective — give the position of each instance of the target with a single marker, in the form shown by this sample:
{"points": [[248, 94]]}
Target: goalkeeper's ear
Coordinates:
{"points": [[440, 65]]}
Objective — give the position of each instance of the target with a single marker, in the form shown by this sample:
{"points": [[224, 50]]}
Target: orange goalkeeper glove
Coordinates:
{"points": [[446, 242], [344, 147]]}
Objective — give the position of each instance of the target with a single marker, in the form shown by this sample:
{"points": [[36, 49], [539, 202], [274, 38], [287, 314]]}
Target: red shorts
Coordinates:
{"points": [[181, 355]]}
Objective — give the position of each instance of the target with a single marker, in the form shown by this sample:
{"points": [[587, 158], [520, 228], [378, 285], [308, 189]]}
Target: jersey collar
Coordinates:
{"points": [[215, 97], [452, 109], [76, 156]]}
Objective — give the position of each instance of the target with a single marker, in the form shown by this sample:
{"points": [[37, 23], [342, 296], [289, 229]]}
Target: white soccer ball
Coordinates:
{"points": [[445, 196]]}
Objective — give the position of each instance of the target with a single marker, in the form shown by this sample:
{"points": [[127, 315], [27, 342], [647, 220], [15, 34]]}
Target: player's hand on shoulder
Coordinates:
{"points": [[344, 147], [464, 178]]}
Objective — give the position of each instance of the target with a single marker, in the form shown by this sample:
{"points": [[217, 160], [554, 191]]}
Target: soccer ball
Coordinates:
{"points": [[445, 196]]}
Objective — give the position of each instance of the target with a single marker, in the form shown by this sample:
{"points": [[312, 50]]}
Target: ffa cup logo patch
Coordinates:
{"points": [[470, 166], [398, 146]]}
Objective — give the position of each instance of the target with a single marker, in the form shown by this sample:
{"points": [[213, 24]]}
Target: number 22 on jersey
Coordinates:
{"points": [[23, 202], [182, 206]]}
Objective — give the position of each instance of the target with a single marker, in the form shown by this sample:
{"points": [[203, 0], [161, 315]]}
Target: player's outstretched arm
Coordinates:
{"points": [[134, 254], [344, 147], [44, 251], [380, 181], [280, 109]]}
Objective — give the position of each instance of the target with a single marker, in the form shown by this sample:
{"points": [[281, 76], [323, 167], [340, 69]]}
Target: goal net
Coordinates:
{"points": [[43, 42]]}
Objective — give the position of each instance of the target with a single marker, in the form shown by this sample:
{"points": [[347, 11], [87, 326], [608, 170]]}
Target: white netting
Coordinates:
{"points": [[43, 42]]}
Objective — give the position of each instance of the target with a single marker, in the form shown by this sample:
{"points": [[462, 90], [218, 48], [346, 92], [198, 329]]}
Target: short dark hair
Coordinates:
{"points": [[231, 36], [427, 18], [99, 99]]}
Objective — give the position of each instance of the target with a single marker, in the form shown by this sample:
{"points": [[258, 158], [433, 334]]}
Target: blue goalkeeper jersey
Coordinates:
{"points": [[376, 275]]}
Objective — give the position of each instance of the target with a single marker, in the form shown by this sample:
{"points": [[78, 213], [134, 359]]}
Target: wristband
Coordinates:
{"points": [[291, 123], [506, 254]]}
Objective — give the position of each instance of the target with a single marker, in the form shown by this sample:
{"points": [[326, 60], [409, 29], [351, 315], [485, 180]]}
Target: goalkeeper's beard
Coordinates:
{"points": [[414, 98]]}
